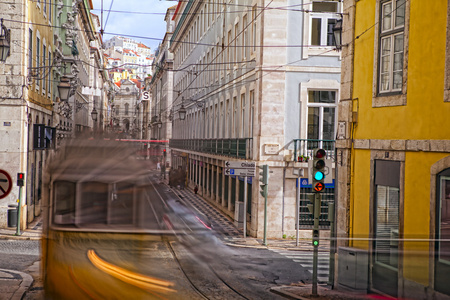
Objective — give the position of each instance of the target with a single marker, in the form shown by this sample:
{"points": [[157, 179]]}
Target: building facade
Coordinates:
{"points": [[161, 87], [392, 151], [49, 41], [261, 84]]}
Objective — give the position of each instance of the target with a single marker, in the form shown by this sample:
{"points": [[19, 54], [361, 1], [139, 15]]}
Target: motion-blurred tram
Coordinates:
{"points": [[105, 226]]}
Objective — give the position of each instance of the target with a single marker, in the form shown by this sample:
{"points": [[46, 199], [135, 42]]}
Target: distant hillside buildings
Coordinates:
{"points": [[128, 59]]}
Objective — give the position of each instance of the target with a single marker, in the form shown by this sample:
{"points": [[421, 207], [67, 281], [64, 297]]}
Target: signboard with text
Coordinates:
{"points": [[240, 168]]}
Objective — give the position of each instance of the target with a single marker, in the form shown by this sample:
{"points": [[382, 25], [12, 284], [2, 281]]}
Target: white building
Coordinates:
{"points": [[259, 84]]}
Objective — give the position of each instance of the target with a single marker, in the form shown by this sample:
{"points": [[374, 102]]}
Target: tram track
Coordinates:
{"points": [[218, 285]]}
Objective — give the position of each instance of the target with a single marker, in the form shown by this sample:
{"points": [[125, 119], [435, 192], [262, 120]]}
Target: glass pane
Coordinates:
{"points": [[400, 13], [322, 97], [325, 6], [121, 203], [328, 123], [398, 43], [385, 46], [313, 123], [398, 77], [398, 61], [316, 31], [64, 202], [330, 38], [385, 64], [384, 84], [387, 16], [387, 225], [444, 222], [93, 203]]}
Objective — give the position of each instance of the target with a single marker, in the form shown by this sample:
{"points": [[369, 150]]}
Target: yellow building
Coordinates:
{"points": [[393, 148], [40, 59]]}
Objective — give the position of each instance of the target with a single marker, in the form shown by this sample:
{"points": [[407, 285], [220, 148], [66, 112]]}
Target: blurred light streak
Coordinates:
{"points": [[139, 280]]}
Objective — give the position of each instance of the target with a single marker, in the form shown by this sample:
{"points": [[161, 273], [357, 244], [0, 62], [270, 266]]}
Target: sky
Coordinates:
{"points": [[140, 19]]}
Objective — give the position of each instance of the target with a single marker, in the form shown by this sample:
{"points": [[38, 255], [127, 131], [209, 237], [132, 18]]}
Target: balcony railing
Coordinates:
{"points": [[303, 148], [238, 148]]}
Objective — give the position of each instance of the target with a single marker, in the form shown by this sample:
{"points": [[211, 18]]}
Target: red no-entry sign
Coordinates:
{"points": [[5, 184]]}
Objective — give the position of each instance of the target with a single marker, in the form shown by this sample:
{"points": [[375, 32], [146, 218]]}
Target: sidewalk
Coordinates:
{"points": [[14, 284], [33, 232]]}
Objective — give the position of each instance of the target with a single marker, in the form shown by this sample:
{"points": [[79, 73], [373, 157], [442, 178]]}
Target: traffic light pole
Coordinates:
{"points": [[18, 212], [317, 202], [265, 216]]}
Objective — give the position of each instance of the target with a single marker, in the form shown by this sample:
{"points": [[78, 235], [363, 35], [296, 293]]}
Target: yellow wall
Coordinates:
{"points": [[36, 16], [425, 112], [424, 117], [360, 201]]}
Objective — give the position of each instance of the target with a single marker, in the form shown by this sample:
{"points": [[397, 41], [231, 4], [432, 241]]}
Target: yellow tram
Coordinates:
{"points": [[103, 226]]}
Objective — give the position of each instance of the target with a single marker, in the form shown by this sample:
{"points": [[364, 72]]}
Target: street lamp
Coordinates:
{"points": [[182, 112], [64, 88], [337, 34], [5, 42], [94, 114]]}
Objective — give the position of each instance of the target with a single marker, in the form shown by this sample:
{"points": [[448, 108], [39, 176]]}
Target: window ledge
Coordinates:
{"points": [[389, 100], [323, 50]]}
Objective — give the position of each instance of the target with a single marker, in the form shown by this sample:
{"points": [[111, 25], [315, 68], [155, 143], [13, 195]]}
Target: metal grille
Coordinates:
{"points": [[306, 219]]}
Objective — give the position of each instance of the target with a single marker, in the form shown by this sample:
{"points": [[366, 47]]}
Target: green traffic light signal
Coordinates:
{"points": [[315, 237]]}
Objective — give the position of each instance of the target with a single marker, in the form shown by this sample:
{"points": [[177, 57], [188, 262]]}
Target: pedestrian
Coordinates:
{"points": [[196, 189], [158, 166]]}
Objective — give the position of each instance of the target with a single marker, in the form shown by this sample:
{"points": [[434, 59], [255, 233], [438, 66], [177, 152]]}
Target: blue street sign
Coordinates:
{"points": [[304, 183]]}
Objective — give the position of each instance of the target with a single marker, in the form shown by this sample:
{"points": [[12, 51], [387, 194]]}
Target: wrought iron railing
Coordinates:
{"points": [[303, 148], [239, 148]]}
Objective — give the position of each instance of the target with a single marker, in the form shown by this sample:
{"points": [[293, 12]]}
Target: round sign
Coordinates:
{"points": [[5, 184], [319, 187]]}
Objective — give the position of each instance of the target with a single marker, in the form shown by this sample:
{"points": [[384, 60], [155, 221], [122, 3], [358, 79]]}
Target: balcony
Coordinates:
{"points": [[237, 148], [303, 148]]}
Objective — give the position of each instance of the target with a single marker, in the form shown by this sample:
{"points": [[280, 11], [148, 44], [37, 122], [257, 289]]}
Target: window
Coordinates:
{"points": [[44, 70], [444, 218], [387, 225], [254, 28], [323, 17], [49, 73], [244, 38], [50, 10], [252, 112], [321, 115], [38, 58], [243, 122], [391, 45], [30, 49], [126, 108], [236, 43], [442, 234]]}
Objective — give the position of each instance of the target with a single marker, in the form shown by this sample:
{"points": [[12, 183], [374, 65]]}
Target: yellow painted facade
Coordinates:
{"points": [[39, 92], [415, 133]]}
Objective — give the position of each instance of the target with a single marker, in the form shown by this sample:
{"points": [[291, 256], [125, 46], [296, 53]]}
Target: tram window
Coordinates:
{"points": [[93, 203], [64, 203], [121, 207]]}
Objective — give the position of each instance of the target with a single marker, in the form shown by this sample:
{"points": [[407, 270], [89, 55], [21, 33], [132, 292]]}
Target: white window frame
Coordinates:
{"points": [[307, 31], [389, 35]]}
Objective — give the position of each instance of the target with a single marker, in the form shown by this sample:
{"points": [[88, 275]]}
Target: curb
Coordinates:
{"points": [[26, 283]]}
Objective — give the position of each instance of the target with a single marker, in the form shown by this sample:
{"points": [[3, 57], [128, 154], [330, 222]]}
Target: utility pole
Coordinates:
{"points": [[318, 186], [20, 184]]}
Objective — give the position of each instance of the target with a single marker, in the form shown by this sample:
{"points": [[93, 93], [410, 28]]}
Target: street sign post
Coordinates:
{"points": [[244, 169], [240, 168]]}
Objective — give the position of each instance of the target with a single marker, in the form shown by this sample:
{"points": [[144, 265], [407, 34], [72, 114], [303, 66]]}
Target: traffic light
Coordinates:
{"points": [[20, 179], [318, 167], [264, 178], [315, 238], [164, 152]]}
